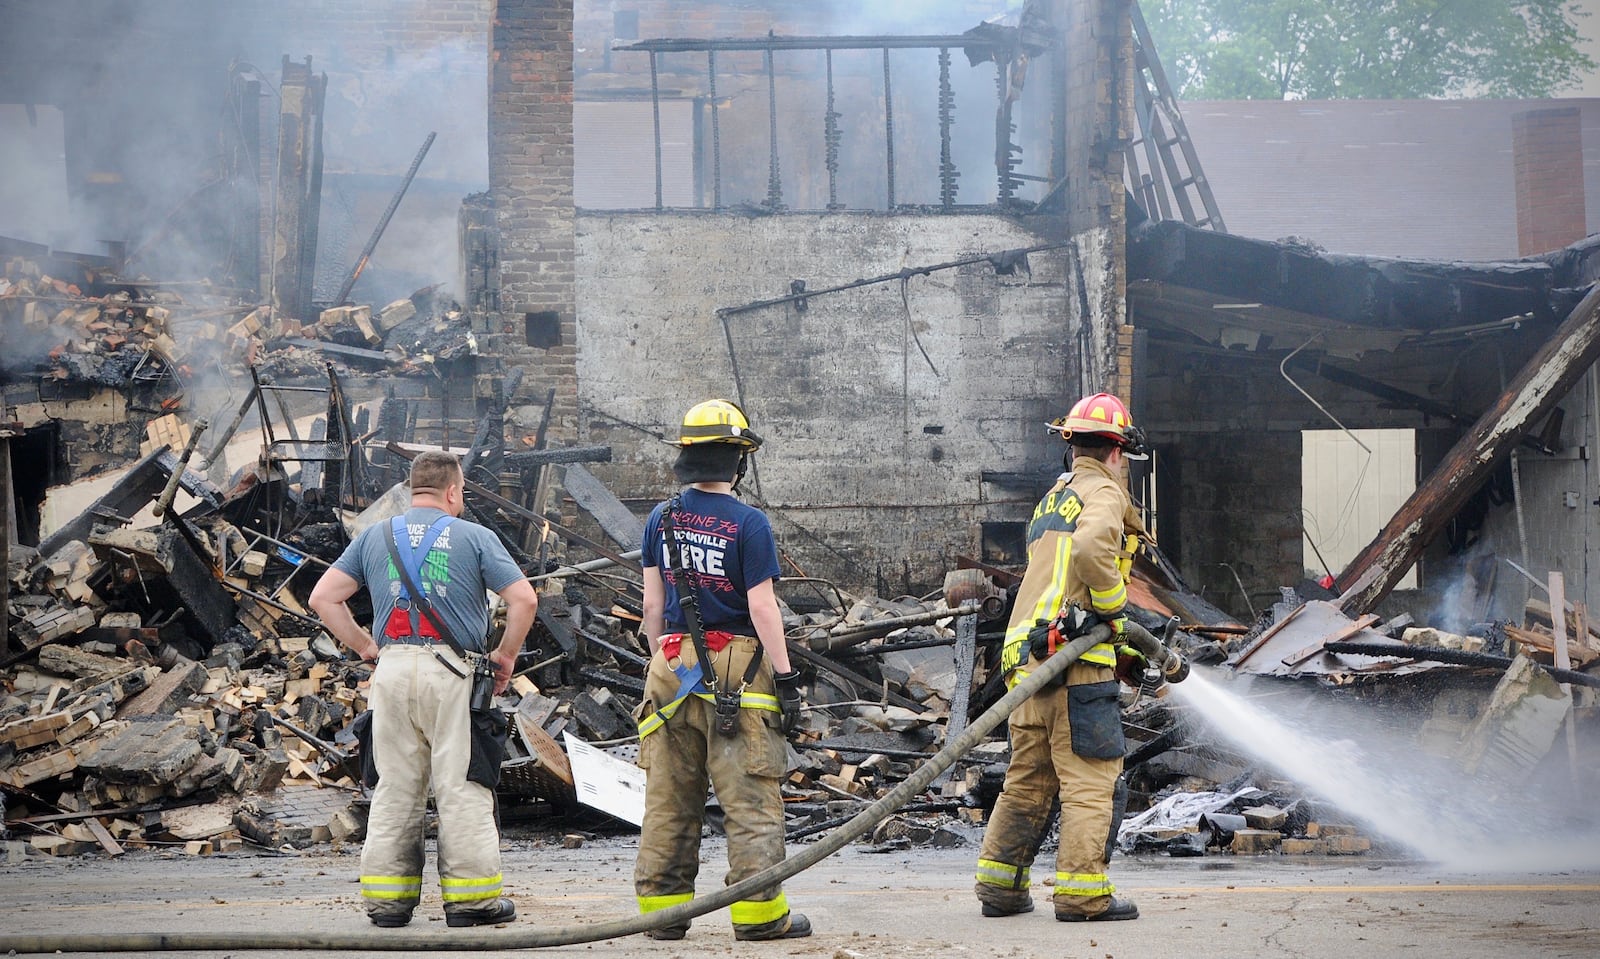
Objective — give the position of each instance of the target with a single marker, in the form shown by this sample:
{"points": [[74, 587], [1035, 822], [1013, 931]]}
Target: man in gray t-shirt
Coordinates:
{"points": [[421, 723], [465, 560]]}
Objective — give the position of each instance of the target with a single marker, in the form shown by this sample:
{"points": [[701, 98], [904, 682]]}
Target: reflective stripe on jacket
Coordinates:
{"points": [[1075, 541]]}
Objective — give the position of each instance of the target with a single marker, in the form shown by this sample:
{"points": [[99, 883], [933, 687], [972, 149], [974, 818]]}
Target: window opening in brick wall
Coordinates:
{"points": [[542, 329]]}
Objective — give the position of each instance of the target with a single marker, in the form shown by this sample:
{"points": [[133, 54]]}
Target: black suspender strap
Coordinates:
{"points": [[726, 702]]}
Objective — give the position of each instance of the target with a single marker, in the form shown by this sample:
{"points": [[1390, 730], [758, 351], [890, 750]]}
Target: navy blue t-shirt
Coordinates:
{"points": [[727, 548]]}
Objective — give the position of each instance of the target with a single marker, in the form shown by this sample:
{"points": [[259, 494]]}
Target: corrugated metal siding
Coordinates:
{"points": [[1428, 179], [613, 148], [1347, 495]]}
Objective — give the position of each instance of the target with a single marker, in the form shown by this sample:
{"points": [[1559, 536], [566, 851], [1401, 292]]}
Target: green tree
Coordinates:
{"points": [[1377, 49]]}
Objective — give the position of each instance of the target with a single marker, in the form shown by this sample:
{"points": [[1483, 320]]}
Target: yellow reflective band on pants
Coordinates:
{"points": [[748, 912], [471, 890], [747, 700], [1087, 884], [656, 903], [392, 887], [1002, 874]]}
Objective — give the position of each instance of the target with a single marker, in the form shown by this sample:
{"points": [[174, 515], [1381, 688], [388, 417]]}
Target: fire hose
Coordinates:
{"points": [[511, 938]]}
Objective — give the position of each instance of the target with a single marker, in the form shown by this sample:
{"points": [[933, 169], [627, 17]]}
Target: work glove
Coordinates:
{"points": [[1130, 665], [1044, 639], [788, 699]]}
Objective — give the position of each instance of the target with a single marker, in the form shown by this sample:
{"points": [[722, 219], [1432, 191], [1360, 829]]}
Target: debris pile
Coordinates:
{"points": [[164, 682]]}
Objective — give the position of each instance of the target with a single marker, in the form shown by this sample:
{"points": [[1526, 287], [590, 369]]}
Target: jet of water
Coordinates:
{"points": [[1385, 782]]}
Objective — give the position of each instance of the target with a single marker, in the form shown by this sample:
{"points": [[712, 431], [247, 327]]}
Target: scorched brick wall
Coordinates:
{"points": [[530, 178]]}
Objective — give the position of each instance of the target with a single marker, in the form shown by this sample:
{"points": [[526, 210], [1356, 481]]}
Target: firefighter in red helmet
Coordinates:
{"points": [[1066, 741]]}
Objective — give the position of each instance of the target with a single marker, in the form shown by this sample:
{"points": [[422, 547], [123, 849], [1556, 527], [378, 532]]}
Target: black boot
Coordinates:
{"points": [[503, 910], [793, 926], [1119, 909], [992, 911]]}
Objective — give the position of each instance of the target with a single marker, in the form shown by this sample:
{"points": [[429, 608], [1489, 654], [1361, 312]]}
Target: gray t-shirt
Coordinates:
{"points": [[465, 561]]}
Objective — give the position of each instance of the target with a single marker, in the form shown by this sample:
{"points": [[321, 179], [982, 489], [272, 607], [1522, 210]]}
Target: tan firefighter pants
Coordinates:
{"points": [[421, 733], [1043, 765], [678, 757]]}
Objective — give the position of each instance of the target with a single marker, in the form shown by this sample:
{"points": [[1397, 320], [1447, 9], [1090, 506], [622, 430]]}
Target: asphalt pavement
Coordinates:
{"points": [[864, 905]]}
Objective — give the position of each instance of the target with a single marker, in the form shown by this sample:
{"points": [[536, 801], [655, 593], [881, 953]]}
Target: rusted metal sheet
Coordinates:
{"points": [[1539, 385]]}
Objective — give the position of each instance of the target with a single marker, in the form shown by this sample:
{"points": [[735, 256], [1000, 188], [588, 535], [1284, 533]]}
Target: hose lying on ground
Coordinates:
{"points": [[1459, 658], [373, 940]]}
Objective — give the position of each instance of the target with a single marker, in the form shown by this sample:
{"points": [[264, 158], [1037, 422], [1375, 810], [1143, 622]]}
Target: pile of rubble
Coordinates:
{"points": [[161, 679]]}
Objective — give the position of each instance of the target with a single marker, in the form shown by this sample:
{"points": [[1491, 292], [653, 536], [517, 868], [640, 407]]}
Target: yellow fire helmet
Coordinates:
{"points": [[717, 421]]}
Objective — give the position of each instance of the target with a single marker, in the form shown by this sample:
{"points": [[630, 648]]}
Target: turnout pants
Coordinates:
{"points": [[1043, 765], [678, 757], [421, 733]]}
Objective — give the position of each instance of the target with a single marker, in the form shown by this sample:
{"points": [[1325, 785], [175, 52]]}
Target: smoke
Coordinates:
{"points": [[1465, 585], [131, 139]]}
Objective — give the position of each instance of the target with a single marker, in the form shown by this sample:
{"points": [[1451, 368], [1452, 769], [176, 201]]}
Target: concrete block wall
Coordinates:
{"points": [[530, 178], [872, 471]]}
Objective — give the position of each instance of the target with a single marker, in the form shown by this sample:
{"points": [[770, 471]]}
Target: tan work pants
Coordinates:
{"points": [[1043, 766], [745, 770], [421, 733]]}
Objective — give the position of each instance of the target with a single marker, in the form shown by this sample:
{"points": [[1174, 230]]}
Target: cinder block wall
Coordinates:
{"points": [[874, 466]]}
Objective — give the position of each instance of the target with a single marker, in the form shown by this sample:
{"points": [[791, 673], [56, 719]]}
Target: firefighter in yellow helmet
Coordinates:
{"points": [[710, 563], [1066, 741]]}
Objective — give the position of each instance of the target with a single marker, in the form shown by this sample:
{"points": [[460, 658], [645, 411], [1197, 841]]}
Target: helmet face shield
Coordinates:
{"points": [[1138, 445]]}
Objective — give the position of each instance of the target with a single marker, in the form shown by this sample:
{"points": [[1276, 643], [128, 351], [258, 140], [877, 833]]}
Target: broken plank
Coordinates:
{"points": [[1295, 659], [103, 837], [1266, 635], [594, 498]]}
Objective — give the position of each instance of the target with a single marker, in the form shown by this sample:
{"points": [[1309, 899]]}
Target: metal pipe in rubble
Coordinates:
{"points": [[586, 567], [372, 940], [164, 501], [856, 635]]}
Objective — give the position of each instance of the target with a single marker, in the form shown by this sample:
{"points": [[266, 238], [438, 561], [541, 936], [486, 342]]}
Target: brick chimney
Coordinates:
{"points": [[1547, 151], [530, 185]]}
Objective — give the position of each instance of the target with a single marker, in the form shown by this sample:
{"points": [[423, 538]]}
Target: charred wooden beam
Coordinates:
{"points": [[570, 454], [139, 485], [1538, 386], [299, 165], [383, 223], [797, 651], [885, 42], [594, 498]]}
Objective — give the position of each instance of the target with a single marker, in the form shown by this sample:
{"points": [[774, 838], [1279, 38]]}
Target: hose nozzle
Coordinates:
{"points": [[1175, 669]]}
